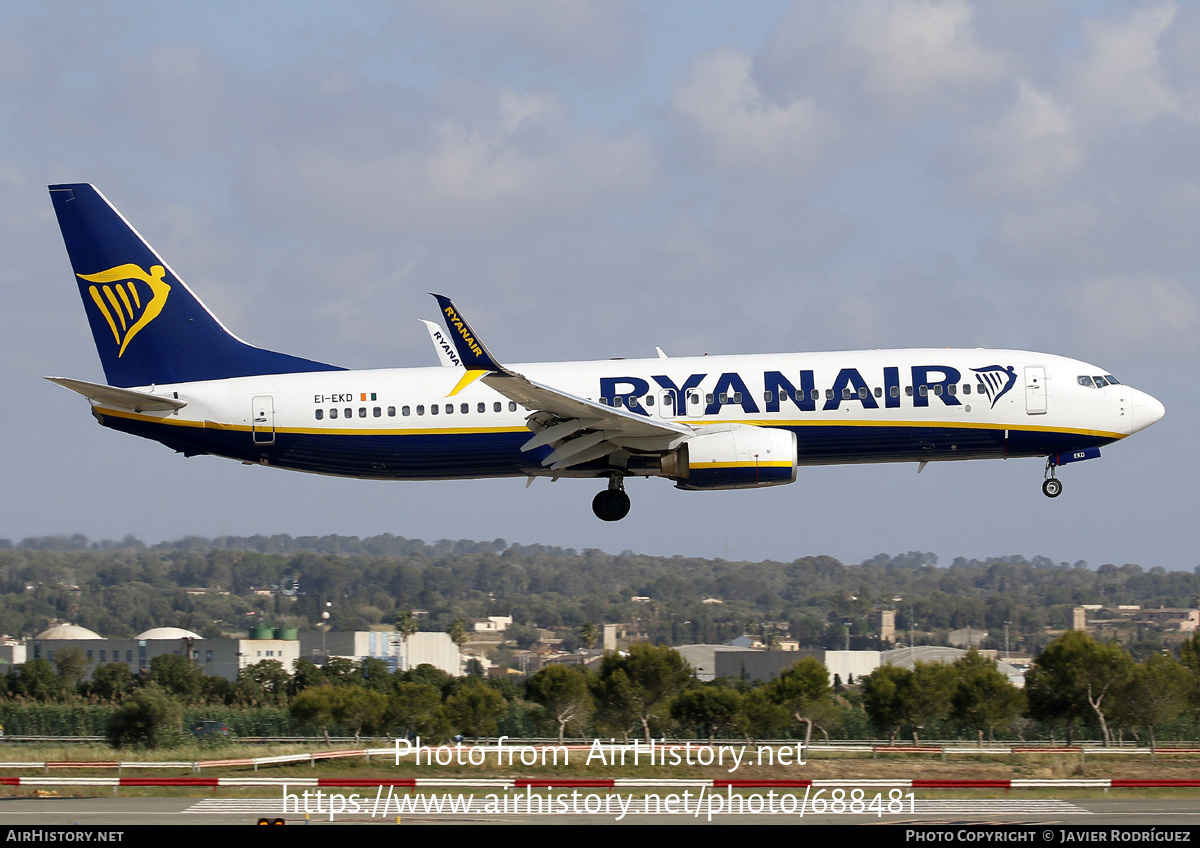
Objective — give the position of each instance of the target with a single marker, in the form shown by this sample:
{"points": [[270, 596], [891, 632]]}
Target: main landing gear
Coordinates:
{"points": [[1051, 486], [612, 504]]}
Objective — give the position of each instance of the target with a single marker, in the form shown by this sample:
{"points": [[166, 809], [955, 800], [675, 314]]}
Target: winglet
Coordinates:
{"points": [[441, 344], [475, 357]]}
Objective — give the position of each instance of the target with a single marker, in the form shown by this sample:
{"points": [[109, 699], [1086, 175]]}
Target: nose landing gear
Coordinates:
{"points": [[1051, 486], [612, 504]]}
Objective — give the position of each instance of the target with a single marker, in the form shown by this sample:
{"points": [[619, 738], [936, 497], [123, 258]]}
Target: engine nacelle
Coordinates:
{"points": [[741, 457]]}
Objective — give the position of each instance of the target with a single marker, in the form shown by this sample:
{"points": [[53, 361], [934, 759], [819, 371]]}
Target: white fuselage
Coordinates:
{"points": [[845, 407]]}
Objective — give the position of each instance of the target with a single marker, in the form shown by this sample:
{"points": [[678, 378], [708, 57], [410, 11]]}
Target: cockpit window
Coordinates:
{"points": [[1100, 382], [1086, 381], [1112, 381]]}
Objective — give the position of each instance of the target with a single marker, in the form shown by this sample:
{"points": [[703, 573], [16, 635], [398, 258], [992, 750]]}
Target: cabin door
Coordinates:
{"points": [[1035, 389], [262, 420]]}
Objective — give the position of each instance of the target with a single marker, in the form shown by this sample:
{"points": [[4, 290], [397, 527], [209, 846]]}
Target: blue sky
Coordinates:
{"points": [[592, 179]]}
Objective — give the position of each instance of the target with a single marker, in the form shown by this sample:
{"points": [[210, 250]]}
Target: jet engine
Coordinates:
{"points": [[741, 457]]}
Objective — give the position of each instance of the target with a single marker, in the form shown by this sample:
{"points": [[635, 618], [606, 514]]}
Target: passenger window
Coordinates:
{"points": [[481, 407], [815, 394], [333, 413], [449, 408], [966, 388], [420, 409], [878, 392], [708, 398], [405, 410], [434, 409], [894, 391], [649, 400], [829, 394], [937, 390], [512, 406], [496, 406], [617, 401], [724, 398], [349, 413], [362, 412], [770, 396], [862, 391], [377, 412], [737, 397], [924, 391], [392, 411], [908, 391], [320, 414], [952, 388], [846, 393]]}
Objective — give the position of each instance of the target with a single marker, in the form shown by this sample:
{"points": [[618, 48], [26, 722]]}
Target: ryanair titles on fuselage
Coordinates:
{"points": [[926, 381]]}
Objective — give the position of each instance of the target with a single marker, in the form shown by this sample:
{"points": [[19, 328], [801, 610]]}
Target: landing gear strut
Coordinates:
{"points": [[612, 504], [1051, 486]]}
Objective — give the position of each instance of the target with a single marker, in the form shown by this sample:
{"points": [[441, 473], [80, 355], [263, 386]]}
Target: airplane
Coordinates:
{"points": [[176, 375]]}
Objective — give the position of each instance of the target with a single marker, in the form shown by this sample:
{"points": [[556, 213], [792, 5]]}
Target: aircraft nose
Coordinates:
{"points": [[1146, 411]]}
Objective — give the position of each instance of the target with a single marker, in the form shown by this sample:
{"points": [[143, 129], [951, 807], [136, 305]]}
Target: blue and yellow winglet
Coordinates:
{"points": [[476, 358]]}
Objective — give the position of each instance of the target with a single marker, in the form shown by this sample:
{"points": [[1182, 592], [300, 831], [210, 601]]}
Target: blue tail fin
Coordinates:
{"points": [[148, 326]]}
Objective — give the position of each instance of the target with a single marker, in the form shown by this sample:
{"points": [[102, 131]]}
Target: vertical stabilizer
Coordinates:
{"points": [[148, 326]]}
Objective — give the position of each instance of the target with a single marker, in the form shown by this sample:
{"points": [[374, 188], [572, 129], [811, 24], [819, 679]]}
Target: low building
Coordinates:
{"points": [[421, 648]]}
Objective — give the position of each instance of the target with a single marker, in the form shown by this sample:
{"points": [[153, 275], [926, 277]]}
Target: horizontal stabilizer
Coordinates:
{"points": [[112, 397]]}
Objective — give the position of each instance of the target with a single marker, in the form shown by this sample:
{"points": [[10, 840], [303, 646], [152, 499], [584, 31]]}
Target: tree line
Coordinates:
{"points": [[121, 588], [1078, 686]]}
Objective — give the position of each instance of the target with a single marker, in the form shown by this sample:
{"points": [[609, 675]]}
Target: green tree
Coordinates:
{"points": [[71, 664], [111, 681], [804, 691], [1073, 677], [589, 634], [641, 683], [150, 718], [458, 632], [177, 675], [359, 708], [37, 679], [713, 708], [406, 625], [314, 707], [266, 681], [895, 696], [415, 709], [474, 708], [983, 697], [1157, 691], [563, 692], [758, 717]]}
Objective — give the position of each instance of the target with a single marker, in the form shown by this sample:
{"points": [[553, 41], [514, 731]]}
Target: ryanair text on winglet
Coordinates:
{"points": [[463, 330]]}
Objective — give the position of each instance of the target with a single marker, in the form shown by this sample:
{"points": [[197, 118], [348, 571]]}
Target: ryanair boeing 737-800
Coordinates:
{"points": [[177, 375]]}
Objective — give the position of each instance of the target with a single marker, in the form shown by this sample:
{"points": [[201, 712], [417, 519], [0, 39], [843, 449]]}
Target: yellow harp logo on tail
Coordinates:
{"points": [[132, 301]]}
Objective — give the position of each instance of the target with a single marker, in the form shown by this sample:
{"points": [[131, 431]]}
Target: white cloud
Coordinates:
{"points": [[1135, 314], [898, 56], [1120, 79], [741, 127], [1031, 150]]}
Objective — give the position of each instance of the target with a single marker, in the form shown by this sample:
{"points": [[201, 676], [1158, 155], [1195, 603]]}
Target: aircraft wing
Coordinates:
{"points": [[580, 430], [115, 398]]}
